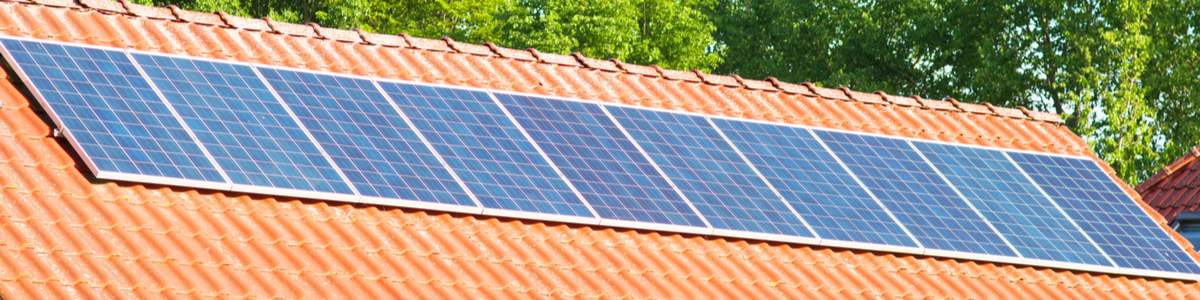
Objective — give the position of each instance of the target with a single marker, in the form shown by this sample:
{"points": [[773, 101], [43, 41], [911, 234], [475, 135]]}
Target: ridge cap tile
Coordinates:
{"points": [[554, 58], [337, 34], [787, 87], [714, 79], [1045, 116], [292, 29], [104, 6], [599, 64], [244, 23], [511, 53], [904, 101], [426, 44], [196, 17], [940, 105], [863, 96], [151, 12], [971, 107], [647, 71], [468, 48], [829, 93], [687, 76], [752, 84], [385, 40], [57, 3]]}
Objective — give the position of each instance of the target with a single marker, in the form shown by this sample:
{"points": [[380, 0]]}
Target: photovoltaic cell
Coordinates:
{"points": [[1030, 221], [709, 172], [487, 150], [241, 123], [111, 112], [1106, 213], [616, 179], [366, 137], [819, 188], [914, 193]]}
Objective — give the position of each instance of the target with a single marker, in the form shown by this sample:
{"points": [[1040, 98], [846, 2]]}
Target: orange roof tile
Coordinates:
{"points": [[66, 235], [1175, 189]]}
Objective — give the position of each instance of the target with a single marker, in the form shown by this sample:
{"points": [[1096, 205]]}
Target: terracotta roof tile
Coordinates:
{"points": [[756, 84], [57, 3], [64, 235], [104, 5], [640, 69], [829, 93], [475, 49], [713, 79], [197, 17], [603, 65], [789, 88], [386, 40], [298, 30], [1176, 188], [427, 44], [335, 34], [244, 23]]}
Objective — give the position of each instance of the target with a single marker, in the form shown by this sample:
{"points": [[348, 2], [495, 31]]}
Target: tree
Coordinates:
{"points": [[1086, 60], [1122, 73], [672, 33]]}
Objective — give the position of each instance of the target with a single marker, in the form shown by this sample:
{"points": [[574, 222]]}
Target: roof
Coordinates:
{"points": [[1175, 189], [64, 234]]}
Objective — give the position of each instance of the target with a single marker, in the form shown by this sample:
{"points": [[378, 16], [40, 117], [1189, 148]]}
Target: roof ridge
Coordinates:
{"points": [[445, 44], [1180, 163]]}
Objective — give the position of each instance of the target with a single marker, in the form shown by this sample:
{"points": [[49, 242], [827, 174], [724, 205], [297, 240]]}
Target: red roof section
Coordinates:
{"points": [[1175, 189], [64, 234]]}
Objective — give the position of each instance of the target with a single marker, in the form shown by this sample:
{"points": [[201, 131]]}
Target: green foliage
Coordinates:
{"points": [[1122, 73]]}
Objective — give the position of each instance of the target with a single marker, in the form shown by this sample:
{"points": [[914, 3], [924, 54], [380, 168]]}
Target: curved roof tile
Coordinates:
{"points": [[65, 235]]}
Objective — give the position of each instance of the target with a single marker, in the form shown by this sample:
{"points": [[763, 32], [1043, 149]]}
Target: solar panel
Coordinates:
{"points": [[247, 130], [1029, 220], [202, 123], [366, 137], [709, 172], [618, 181], [1119, 226], [914, 193], [486, 148], [111, 113], [819, 188]]}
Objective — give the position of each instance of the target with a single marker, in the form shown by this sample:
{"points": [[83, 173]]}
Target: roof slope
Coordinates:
{"points": [[1175, 189], [64, 235]]}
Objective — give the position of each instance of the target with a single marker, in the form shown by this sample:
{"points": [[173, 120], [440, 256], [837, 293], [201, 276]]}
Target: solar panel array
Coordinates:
{"points": [[223, 125]]}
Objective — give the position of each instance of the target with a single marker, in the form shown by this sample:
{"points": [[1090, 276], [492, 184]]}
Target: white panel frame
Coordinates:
{"points": [[592, 221], [779, 196], [304, 129], [638, 145], [542, 154], [1061, 211], [71, 140], [863, 186], [964, 198], [425, 141]]}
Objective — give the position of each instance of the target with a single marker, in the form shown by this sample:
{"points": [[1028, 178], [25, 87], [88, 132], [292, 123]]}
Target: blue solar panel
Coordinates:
{"points": [[604, 165], [241, 123], [111, 112], [1029, 220], [1106, 213], [914, 193], [366, 137], [709, 172], [487, 150], [820, 189]]}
